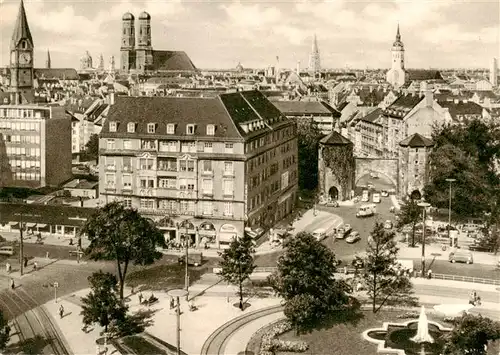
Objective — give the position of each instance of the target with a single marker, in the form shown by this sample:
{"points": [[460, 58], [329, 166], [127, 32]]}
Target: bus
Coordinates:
{"points": [[366, 210]]}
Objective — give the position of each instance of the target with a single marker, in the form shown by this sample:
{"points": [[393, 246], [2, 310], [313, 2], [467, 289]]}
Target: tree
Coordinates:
{"points": [[4, 331], [384, 281], [237, 263], [410, 214], [92, 148], [471, 334], [305, 280], [122, 234], [308, 137], [467, 152], [102, 305]]}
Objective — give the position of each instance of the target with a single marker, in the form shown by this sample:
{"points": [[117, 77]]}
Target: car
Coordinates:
{"points": [[343, 231], [384, 193], [358, 263], [376, 198], [7, 251], [195, 259], [464, 256], [388, 224], [319, 234], [353, 237]]}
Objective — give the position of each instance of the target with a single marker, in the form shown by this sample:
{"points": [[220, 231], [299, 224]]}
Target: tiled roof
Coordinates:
{"points": [[56, 73], [372, 116], [486, 94], [423, 74], [461, 108], [299, 108], [172, 61], [416, 141], [335, 138], [402, 105], [163, 110], [46, 214], [81, 184]]}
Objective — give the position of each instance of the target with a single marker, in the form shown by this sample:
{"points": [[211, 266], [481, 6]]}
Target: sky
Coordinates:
{"points": [[221, 33]]}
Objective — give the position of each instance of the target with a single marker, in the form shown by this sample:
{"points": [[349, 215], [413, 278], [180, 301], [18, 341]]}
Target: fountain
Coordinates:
{"points": [[421, 337]]}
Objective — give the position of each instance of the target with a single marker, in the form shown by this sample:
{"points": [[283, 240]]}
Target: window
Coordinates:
{"points": [[188, 147], [168, 146], [127, 144], [127, 164], [186, 165], [110, 163], [110, 181], [170, 128], [228, 208], [207, 166], [207, 207], [147, 203], [228, 187], [190, 129], [127, 181], [182, 184], [167, 164], [151, 127], [110, 144], [208, 147], [146, 164], [147, 183], [112, 126], [131, 127], [148, 144], [284, 180], [168, 183], [169, 205], [127, 202], [228, 167], [207, 186], [229, 147], [210, 130]]}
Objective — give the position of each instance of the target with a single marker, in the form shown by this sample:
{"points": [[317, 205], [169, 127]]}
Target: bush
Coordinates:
{"points": [[408, 315], [270, 344]]}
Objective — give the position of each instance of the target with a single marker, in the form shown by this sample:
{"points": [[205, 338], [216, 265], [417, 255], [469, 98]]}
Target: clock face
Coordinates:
{"points": [[25, 58]]}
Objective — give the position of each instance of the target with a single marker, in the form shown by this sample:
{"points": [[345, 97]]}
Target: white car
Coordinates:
{"points": [[384, 193], [353, 237], [319, 234], [376, 198]]}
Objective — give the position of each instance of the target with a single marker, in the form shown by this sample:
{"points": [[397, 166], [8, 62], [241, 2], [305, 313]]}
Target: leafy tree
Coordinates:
{"points": [[102, 305], [4, 331], [384, 282], [468, 153], [410, 214], [122, 234], [237, 263], [92, 148], [308, 137], [305, 280], [471, 334]]}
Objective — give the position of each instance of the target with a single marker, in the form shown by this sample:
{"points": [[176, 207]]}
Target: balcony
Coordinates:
{"points": [[168, 193], [227, 173], [207, 173], [127, 168], [207, 193], [228, 194], [110, 168]]}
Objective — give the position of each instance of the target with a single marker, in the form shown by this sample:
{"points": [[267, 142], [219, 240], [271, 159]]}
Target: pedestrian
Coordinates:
{"points": [[172, 303], [12, 284], [35, 266], [140, 297], [46, 255], [26, 261], [61, 311], [7, 268], [359, 286], [429, 274]]}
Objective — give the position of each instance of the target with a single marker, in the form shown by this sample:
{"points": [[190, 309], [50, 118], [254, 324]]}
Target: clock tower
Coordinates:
{"points": [[21, 57]]}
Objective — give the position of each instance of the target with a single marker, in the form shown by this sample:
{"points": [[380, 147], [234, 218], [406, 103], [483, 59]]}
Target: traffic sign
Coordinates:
{"points": [[56, 284]]}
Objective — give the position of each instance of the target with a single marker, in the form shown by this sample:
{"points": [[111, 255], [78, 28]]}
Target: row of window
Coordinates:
{"points": [[169, 146], [280, 134], [183, 206], [168, 164], [26, 176], [20, 126], [22, 113], [21, 139], [24, 164], [29, 152], [153, 128]]}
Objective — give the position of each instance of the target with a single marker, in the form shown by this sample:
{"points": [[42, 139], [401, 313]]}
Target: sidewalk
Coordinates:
{"points": [[50, 239]]}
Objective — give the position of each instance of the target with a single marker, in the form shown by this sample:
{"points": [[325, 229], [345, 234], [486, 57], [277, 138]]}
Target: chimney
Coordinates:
{"points": [[298, 67], [429, 98], [112, 98]]}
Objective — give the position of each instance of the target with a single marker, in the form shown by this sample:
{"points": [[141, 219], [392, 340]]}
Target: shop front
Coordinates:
{"points": [[226, 235], [167, 226], [207, 235], [187, 233]]}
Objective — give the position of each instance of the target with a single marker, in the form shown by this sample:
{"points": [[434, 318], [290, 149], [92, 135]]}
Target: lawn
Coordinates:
{"points": [[346, 338], [139, 345]]}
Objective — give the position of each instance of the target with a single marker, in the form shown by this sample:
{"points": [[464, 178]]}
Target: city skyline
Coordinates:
{"points": [[359, 34]]}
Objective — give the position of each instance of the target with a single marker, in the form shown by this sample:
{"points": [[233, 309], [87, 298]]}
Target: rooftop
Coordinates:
{"points": [[335, 138], [299, 108], [416, 141]]}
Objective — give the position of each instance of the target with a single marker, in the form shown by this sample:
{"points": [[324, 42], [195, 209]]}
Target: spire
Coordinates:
{"points": [[315, 44], [48, 63], [21, 29], [398, 35]]}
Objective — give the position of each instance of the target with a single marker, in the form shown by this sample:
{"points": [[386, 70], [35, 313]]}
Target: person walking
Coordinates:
{"points": [[172, 303], [12, 284], [61, 311], [35, 266], [26, 261], [140, 297], [429, 274], [8, 268]]}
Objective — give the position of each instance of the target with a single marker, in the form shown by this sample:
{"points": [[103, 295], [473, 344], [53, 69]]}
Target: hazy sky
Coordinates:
{"points": [[436, 33]]}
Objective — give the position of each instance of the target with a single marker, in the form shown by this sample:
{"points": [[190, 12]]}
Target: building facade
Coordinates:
{"points": [[203, 167], [314, 58], [396, 76]]}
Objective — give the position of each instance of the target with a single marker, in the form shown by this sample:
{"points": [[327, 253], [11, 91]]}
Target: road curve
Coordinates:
{"points": [[216, 342]]}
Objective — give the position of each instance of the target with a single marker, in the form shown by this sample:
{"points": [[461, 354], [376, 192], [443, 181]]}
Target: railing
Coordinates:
{"points": [[350, 270]]}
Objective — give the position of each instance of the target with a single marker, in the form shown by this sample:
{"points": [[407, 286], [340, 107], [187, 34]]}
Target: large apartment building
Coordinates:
{"points": [[35, 146], [203, 167]]}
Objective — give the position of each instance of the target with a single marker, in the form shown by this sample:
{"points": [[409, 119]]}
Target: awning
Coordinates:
{"points": [[41, 225], [13, 223], [30, 224]]}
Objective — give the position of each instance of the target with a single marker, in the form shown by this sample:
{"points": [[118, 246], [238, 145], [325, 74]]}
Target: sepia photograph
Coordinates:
{"points": [[249, 177]]}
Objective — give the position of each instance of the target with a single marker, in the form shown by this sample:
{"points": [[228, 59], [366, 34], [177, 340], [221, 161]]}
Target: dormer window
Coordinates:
{"points": [[170, 128], [112, 126], [151, 127], [210, 130], [190, 129], [131, 127]]}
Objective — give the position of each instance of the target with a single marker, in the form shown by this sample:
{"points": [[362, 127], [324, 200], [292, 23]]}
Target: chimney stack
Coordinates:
{"points": [[298, 67]]}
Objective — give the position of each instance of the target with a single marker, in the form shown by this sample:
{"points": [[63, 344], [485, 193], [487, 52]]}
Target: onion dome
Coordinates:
{"points": [[144, 16], [128, 17]]}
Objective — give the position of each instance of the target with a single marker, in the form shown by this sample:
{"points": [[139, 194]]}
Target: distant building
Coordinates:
{"points": [[141, 57], [396, 76], [86, 62], [494, 72], [48, 62], [314, 58], [206, 167], [81, 188]]}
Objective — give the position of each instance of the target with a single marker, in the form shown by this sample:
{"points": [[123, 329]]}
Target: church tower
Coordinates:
{"points": [[127, 50], [48, 62], [144, 56], [396, 76], [314, 60], [21, 57]]}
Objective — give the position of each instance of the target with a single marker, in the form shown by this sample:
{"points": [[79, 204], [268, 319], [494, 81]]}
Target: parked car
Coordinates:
{"points": [[194, 259], [7, 251], [388, 224], [376, 198], [464, 256], [319, 234], [358, 263], [343, 231], [353, 237], [384, 193]]}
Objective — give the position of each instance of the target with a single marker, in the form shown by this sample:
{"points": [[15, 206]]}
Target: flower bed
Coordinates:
{"points": [[270, 345], [408, 315]]}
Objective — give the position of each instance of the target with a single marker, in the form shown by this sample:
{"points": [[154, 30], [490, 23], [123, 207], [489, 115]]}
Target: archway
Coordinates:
{"points": [[188, 230], [415, 195], [333, 193], [207, 234], [376, 181], [226, 235]]}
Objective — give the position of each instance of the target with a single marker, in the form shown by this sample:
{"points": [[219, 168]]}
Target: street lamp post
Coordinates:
{"points": [[186, 262], [424, 206], [449, 212], [177, 293]]}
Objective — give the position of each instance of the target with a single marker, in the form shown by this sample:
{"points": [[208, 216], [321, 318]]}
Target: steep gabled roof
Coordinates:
{"points": [[21, 28], [372, 116], [416, 141], [172, 61], [300, 108], [424, 74], [402, 105], [56, 73], [461, 108], [335, 138]]}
